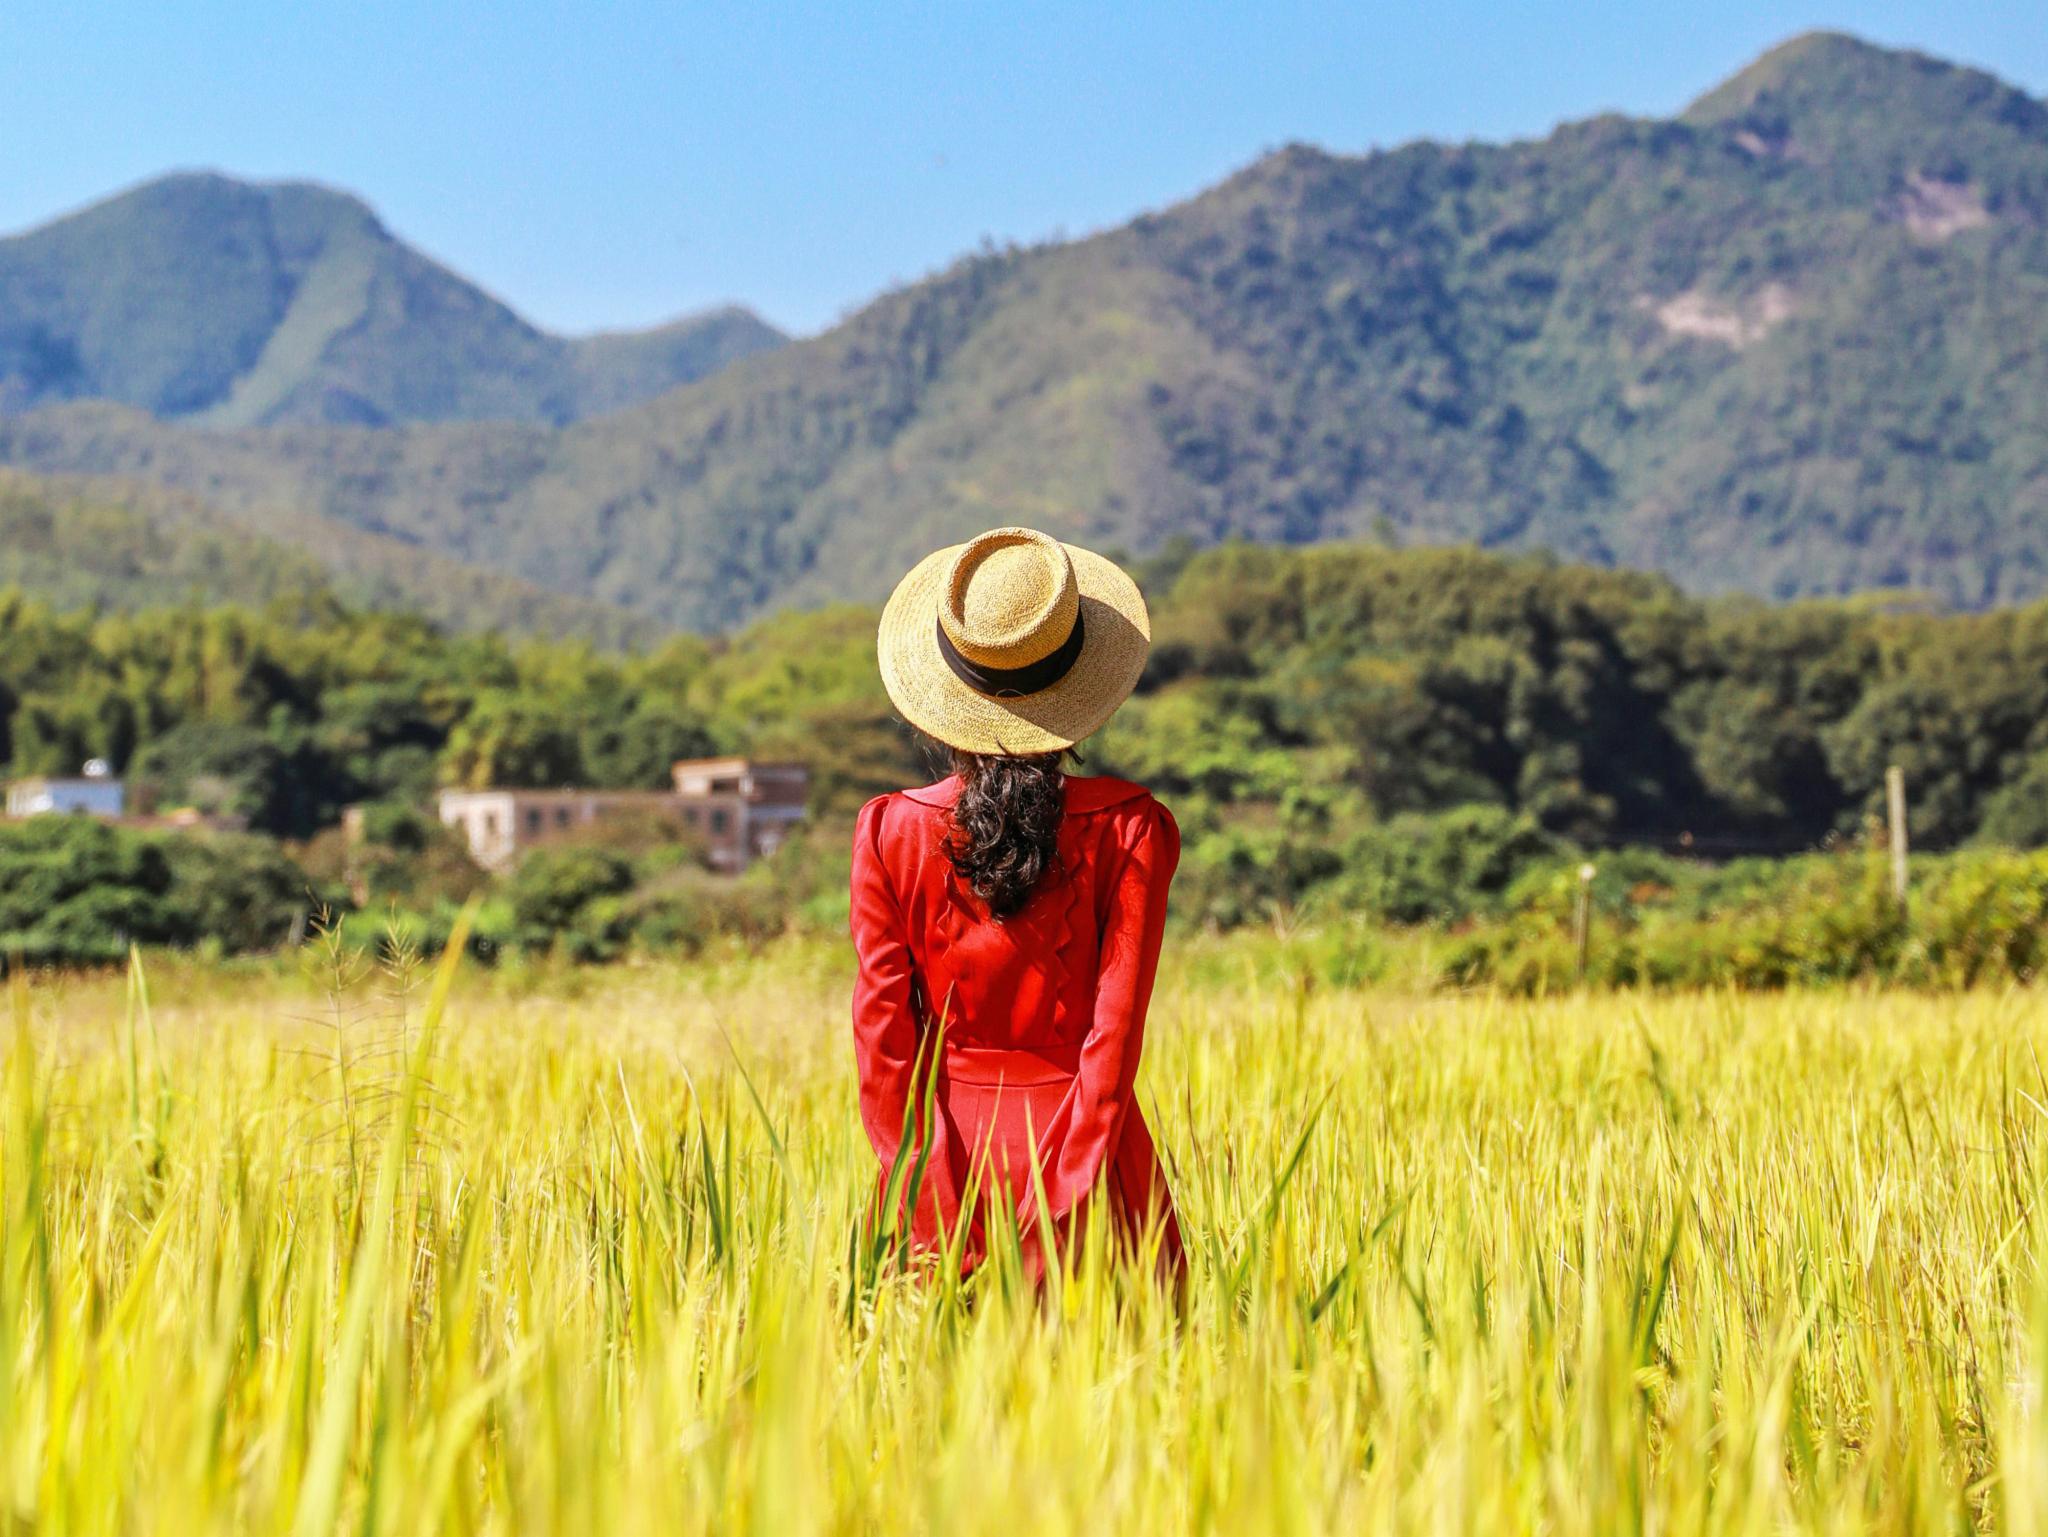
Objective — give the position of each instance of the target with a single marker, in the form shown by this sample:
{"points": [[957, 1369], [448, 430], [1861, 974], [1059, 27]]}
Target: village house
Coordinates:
{"points": [[739, 810], [95, 793]]}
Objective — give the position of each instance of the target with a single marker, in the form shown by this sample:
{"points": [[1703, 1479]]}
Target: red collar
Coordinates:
{"points": [[1083, 794]]}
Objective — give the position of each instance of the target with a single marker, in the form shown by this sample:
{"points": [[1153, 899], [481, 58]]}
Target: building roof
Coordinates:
{"points": [[559, 795], [739, 765]]}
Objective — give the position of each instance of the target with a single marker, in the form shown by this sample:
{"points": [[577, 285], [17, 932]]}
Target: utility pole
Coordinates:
{"points": [[1582, 926], [1895, 816]]}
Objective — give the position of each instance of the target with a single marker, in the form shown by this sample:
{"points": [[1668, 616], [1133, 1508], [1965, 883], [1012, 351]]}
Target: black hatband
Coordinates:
{"points": [[1014, 682]]}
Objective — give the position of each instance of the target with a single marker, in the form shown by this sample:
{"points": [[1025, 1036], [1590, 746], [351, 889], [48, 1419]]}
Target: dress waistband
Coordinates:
{"points": [[1019, 1067]]}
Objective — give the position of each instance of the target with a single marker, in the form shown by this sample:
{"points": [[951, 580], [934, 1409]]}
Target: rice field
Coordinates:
{"points": [[1684, 1263]]}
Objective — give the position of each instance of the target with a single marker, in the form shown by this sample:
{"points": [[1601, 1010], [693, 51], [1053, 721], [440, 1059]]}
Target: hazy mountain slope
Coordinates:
{"points": [[1793, 342], [232, 304], [90, 543], [615, 369], [76, 546]]}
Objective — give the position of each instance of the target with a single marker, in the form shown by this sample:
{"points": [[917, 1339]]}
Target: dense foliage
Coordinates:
{"points": [[1789, 343], [1299, 700], [1341, 730], [1974, 918], [75, 891]]}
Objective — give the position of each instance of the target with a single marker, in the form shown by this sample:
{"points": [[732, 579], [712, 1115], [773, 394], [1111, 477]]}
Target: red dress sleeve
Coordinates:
{"points": [[886, 1034], [1134, 923]]}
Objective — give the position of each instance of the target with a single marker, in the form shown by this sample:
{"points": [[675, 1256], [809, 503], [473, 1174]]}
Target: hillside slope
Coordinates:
{"points": [[206, 299], [94, 544], [1793, 342]]}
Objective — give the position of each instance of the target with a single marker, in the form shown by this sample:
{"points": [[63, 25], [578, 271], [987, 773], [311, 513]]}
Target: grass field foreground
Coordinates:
{"points": [[1686, 1263]]}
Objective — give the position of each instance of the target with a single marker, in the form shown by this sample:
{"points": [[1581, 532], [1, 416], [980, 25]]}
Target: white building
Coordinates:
{"points": [[500, 825], [93, 794]]}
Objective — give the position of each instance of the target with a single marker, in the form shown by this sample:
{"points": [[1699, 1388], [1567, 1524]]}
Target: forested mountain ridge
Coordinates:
{"points": [[1794, 341], [226, 303]]}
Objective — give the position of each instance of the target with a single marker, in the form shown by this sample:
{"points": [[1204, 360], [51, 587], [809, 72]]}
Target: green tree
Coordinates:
{"points": [[222, 768], [76, 890], [515, 738]]}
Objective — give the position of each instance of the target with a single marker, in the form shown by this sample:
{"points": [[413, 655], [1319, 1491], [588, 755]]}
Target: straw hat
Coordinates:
{"points": [[1013, 643]]}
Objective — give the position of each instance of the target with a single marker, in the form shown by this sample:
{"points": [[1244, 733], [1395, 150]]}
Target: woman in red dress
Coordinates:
{"points": [[1008, 918]]}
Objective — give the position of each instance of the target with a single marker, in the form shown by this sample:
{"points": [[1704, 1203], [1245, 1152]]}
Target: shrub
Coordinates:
{"points": [[402, 855], [686, 908], [74, 891], [1975, 917], [2017, 815], [571, 892], [1983, 917], [1240, 865], [77, 891], [1442, 867], [222, 769], [238, 891]]}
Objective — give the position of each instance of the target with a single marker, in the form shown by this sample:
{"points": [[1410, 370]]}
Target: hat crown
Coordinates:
{"points": [[1011, 598]]}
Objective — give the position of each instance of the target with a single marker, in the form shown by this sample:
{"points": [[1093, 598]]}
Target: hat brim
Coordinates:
{"points": [[1116, 637]]}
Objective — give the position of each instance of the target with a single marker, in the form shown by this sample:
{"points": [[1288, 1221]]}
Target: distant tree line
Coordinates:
{"points": [[1306, 709], [1343, 723]]}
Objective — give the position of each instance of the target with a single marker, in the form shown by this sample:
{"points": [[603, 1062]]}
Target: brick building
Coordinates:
{"points": [[739, 810]]}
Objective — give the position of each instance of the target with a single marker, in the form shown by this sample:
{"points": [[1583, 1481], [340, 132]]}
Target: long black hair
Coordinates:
{"points": [[1006, 825]]}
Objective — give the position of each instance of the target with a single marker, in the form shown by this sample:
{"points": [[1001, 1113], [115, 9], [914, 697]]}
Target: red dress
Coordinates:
{"points": [[1043, 1013]]}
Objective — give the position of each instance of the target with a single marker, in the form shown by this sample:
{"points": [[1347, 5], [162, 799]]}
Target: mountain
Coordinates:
{"points": [[223, 303], [87, 544], [1793, 341]]}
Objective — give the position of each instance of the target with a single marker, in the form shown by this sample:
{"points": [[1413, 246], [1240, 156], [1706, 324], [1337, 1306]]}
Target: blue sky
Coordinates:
{"points": [[614, 164]]}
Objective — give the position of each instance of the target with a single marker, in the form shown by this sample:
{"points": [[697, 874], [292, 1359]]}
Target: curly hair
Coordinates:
{"points": [[1006, 825]]}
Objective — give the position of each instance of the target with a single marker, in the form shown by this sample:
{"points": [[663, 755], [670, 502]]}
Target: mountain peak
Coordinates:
{"points": [[205, 192], [208, 180], [208, 298], [1792, 64], [1837, 76]]}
